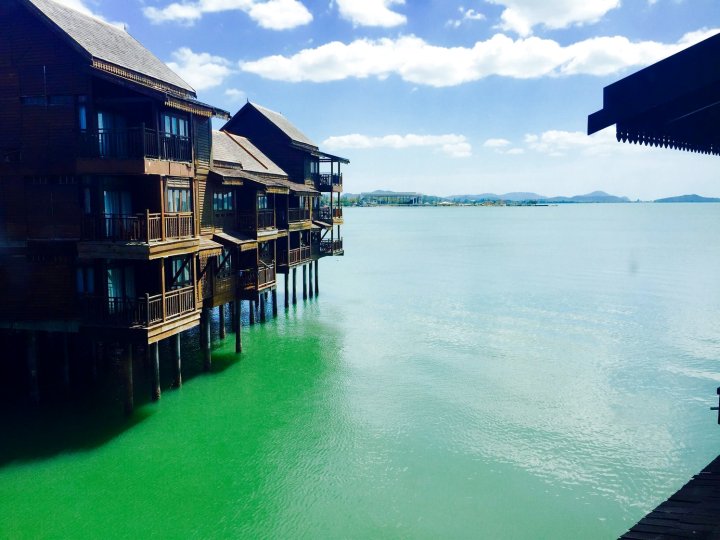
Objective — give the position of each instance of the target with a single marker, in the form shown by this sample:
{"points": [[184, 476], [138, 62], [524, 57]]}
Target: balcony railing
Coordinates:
{"points": [[329, 247], [134, 143], [294, 256], [298, 214], [264, 219], [327, 180], [325, 213], [257, 278], [144, 228], [142, 312]]}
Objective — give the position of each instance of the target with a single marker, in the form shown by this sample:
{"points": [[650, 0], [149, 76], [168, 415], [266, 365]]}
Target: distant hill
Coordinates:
{"points": [[594, 197], [688, 198]]}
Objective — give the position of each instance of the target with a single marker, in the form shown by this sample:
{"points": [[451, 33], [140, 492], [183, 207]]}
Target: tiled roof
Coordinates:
{"points": [[284, 124], [230, 148], [106, 42]]}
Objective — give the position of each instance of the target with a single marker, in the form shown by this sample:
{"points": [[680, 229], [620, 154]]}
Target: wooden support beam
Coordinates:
{"points": [[127, 372], [287, 290], [310, 280], [177, 360], [304, 267], [154, 359], [294, 280], [207, 340], [66, 360], [274, 302], [251, 309], [238, 325], [32, 367], [263, 306], [221, 316], [317, 277], [233, 314]]}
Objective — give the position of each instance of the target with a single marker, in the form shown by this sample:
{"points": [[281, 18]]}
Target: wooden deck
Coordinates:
{"points": [[693, 512]]}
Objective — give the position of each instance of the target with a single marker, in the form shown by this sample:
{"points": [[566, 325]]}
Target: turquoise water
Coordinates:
{"points": [[465, 373]]}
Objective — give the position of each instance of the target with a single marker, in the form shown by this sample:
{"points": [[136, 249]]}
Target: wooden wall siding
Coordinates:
{"points": [[52, 209], [205, 207], [203, 138], [12, 209]]}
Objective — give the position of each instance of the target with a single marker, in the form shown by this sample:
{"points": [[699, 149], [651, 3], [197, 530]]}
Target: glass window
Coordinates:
{"points": [[180, 272], [222, 200], [262, 202], [177, 200]]}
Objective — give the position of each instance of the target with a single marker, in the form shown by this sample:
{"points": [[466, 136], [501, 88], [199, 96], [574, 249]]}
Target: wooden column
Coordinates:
{"points": [[221, 309], [263, 309], [310, 280], [177, 360], [251, 309], [66, 360], [274, 302], [294, 272], [287, 290], [206, 339], [238, 325], [304, 266], [317, 277], [231, 307], [127, 371], [154, 360], [33, 367]]}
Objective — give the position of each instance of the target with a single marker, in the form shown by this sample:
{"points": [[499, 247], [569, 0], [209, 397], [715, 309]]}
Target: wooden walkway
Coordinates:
{"points": [[693, 512]]}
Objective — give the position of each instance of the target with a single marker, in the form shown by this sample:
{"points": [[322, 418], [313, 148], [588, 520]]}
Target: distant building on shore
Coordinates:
{"points": [[390, 197]]}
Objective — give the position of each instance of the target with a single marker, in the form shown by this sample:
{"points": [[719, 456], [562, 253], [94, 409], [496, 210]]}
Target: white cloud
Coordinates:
{"points": [[515, 151], [496, 143], [466, 15], [371, 12], [560, 143], [453, 145], [271, 14], [234, 94], [521, 16], [418, 62], [201, 70], [79, 5]]}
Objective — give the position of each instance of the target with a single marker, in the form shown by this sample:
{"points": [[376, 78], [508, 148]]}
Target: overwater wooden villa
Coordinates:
{"points": [[124, 218], [675, 104]]}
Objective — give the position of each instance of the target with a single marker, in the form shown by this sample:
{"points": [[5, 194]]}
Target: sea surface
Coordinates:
{"points": [[465, 373]]}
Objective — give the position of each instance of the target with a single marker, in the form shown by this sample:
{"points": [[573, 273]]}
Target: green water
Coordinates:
{"points": [[465, 373]]}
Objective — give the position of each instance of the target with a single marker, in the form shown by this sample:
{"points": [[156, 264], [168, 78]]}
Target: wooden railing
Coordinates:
{"points": [[257, 278], [294, 256], [263, 219], [329, 247], [298, 214], [327, 179], [145, 227], [266, 219], [141, 312], [326, 213], [133, 143]]}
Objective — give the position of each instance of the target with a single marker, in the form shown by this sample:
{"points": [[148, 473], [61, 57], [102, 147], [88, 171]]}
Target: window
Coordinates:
{"points": [[174, 125], [177, 200], [222, 201], [180, 273], [262, 202], [34, 100]]}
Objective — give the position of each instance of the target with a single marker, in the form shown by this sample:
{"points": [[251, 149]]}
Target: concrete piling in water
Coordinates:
{"points": [[294, 280], [206, 339], [263, 297], [317, 278], [304, 284], [251, 309], [154, 360], [287, 290], [274, 302], [177, 361], [221, 316], [310, 280], [238, 326]]}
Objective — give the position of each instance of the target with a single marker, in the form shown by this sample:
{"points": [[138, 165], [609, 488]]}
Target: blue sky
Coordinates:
{"points": [[439, 96]]}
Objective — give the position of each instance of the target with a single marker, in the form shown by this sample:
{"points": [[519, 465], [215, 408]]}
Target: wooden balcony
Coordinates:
{"points": [[294, 256], [256, 221], [331, 247], [328, 181], [143, 228], [134, 143], [143, 312], [298, 214], [257, 279], [330, 215]]}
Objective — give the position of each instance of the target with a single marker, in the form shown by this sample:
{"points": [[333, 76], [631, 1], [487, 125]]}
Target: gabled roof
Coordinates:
{"points": [[237, 150], [106, 43], [672, 103], [284, 124]]}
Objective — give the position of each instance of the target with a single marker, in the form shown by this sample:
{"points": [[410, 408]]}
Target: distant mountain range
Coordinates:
{"points": [[594, 197], [688, 198]]}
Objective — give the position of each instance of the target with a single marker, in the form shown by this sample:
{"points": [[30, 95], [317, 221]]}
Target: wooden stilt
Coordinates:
{"points": [[294, 272], [221, 314], [33, 367], [231, 307], [304, 282], [154, 359], [317, 278], [274, 302], [177, 360], [127, 371], [310, 280], [207, 341], [263, 306], [94, 353], [238, 326], [66, 361], [287, 290], [251, 309]]}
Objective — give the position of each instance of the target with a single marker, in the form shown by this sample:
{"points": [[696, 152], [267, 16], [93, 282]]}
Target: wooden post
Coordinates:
{"points": [[154, 358], [294, 272], [231, 307], [310, 280], [127, 371], [274, 302], [304, 267], [66, 361], [317, 277], [221, 309], [177, 360], [33, 367], [251, 309], [287, 290], [263, 296], [206, 339], [238, 325]]}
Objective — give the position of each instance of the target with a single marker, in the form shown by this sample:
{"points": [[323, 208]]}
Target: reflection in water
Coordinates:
{"points": [[465, 372]]}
